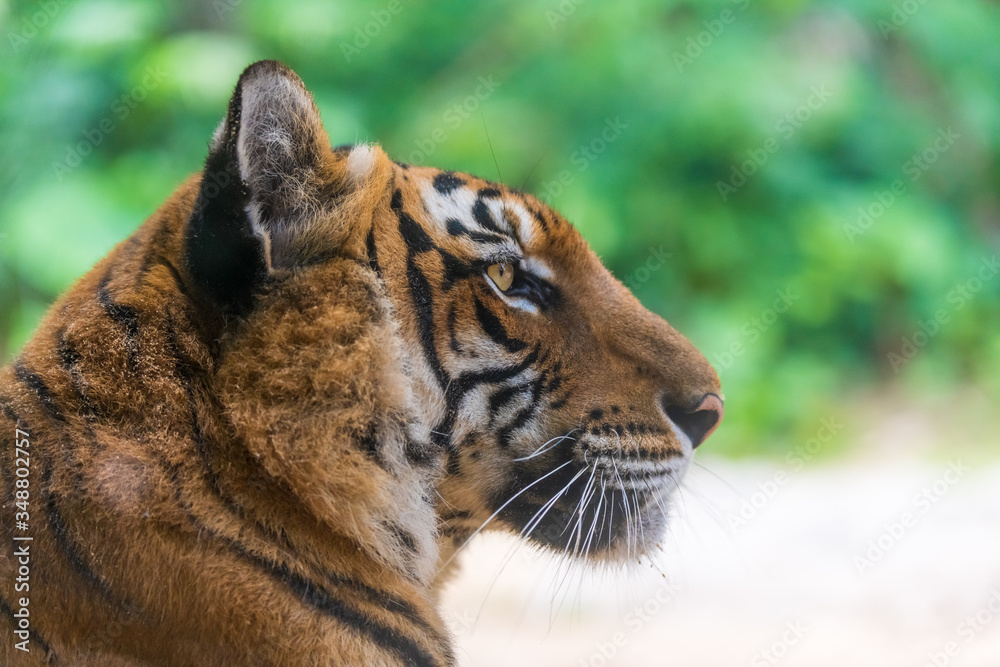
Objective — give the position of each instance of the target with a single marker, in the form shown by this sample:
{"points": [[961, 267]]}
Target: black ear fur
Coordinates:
{"points": [[224, 257]]}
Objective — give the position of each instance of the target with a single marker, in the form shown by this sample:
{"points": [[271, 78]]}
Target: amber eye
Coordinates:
{"points": [[502, 275]]}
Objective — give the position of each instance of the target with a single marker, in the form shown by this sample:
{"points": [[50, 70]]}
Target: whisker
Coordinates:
{"points": [[526, 531], [628, 511], [541, 450], [529, 528], [593, 524], [500, 509], [495, 163]]}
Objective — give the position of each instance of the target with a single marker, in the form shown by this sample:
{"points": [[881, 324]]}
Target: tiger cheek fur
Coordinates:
{"points": [[262, 426]]}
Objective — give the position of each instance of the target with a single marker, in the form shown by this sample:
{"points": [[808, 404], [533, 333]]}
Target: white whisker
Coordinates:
{"points": [[554, 442], [500, 509]]}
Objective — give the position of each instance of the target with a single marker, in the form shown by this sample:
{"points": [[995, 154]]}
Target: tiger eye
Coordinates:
{"points": [[502, 275]]}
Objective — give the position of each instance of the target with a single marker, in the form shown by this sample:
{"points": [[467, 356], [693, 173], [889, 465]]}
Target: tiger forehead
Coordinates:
{"points": [[469, 209]]}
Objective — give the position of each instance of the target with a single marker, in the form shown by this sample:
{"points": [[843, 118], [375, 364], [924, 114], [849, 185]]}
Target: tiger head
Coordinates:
{"points": [[560, 408]]}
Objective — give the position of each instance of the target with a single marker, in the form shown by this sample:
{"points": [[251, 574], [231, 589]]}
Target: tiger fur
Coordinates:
{"points": [[262, 426]]}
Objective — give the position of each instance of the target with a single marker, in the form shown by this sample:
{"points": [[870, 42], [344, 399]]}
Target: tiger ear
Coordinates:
{"points": [[270, 179]]}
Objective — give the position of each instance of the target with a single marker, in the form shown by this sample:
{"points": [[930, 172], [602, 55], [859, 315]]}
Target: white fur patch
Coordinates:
{"points": [[360, 161], [515, 302], [538, 267], [456, 204], [525, 222]]}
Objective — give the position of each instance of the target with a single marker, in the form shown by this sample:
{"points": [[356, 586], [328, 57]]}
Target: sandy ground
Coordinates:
{"points": [[862, 564]]}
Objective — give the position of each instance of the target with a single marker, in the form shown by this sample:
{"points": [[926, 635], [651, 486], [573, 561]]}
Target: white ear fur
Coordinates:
{"points": [[218, 136], [276, 113], [280, 148]]}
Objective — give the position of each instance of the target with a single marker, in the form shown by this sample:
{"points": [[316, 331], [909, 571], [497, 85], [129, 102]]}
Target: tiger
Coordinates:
{"points": [[261, 429]]}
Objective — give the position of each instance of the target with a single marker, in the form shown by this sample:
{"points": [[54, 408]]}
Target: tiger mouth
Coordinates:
{"points": [[605, 507]]}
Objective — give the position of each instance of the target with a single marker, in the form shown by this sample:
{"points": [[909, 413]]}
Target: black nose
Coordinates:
{"points": [[699, 422]]}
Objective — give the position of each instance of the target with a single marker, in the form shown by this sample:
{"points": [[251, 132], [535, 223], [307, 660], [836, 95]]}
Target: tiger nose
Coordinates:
{"points": [[699, 422]]}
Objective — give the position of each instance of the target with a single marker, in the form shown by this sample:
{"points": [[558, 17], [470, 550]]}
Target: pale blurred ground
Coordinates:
{"points": [[792, 563]]}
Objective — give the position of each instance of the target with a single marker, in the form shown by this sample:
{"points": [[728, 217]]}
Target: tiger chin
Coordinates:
{"points": [[258, 431]]}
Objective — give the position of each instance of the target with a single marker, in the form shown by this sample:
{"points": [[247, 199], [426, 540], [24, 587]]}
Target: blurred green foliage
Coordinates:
{"points": [[851, 232]]}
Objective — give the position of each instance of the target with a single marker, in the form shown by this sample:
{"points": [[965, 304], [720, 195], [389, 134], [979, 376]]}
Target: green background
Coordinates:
{"points": [[823, 109]]}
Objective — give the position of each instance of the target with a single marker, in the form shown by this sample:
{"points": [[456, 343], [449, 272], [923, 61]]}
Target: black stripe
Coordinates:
{"points": [[373, 252], [413, 234], [453, 329], [8, 411], [540, 218], [184, 373], [35, 383], [178, 280], [407, 649], [506, 433], [447, 181], [419, 454], [7, 456], [402, 536], [454, 514], [560, 403], [454, 269], [35, 636], [466, 382], [494, 328], [423, 303], [64, 541], [481, 214], [456, 228], [417, 241], [503, 397], [379, 597], [310, 593], [454, 468], [153, 247], [369, 443], [126, 316], [456, 391], [70, 359]]}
